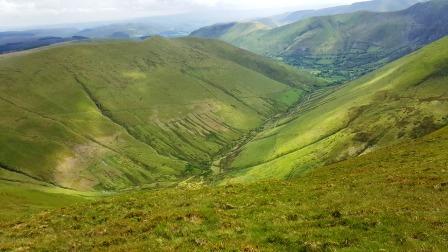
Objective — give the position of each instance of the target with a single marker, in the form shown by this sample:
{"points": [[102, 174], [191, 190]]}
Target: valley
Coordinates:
{"points": [[311, 130], [344, 47], [222, 162], [391, 199], [374, 111], [124, 124]]}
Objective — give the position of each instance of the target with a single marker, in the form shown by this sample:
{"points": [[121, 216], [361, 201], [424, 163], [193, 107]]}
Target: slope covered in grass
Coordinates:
{"points": [[111, 115], [24, 199], [392, 199], [344, 47], [371, 6], [403, 100]]}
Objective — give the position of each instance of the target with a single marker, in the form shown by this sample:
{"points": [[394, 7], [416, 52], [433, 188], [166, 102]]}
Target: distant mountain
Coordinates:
{"points": [[177, 25], [343, 47], [141, 28], [13, 41], [168, 26], [229, 31], [221, 30], [121, 31], [25, 42], [20, 36], [373, 6]]}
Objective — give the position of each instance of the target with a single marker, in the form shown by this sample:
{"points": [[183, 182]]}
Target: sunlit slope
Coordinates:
{"points": [[403, 100], [21, 200], [111, 115], [393, 199], [277, 71]]}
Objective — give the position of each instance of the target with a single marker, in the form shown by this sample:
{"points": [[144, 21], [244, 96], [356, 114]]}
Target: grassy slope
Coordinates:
{"points": [[393, 199], [23, 199], [111, 115], [344, 47], [371, 6], [405, 99], [22, 196], [280, 72]]}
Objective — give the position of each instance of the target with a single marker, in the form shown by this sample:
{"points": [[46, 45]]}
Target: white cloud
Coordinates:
{"points": [[39, 12]]}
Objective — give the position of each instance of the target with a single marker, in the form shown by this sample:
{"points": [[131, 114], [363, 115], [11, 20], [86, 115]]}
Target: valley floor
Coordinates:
{"points": [[222, 162], [393, 199]]}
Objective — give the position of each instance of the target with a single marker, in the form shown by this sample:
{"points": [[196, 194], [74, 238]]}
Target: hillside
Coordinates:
{"points": [[112, 115], [392, 199], [371, 6], [404, 100], [232, 32], [344, 47]]}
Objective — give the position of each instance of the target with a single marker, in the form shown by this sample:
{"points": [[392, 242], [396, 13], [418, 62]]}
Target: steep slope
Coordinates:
{"points": [[283, 73], [23, 197], [111, 115], [344, 47], [372, 6], [393, 199], [403, 100]]}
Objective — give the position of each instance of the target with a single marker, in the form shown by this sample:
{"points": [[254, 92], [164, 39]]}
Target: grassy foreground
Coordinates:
{"points": [[393, 199], [19, 200]]}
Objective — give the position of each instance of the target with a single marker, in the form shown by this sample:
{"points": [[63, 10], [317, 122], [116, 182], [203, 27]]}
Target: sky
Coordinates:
{"points": [[21, 13]]}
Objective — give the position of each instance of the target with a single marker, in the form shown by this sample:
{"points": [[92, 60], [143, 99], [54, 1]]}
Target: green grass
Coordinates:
{"points": [[360, 167], [22, 196], [392, 199], [404, 100], [20, 200], [113, 115]]}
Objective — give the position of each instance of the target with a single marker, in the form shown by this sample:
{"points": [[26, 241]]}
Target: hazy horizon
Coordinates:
{"points": [[23, 14]]}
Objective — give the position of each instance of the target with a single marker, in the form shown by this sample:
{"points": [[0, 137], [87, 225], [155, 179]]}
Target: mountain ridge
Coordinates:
{"points": [[371, 6]]}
